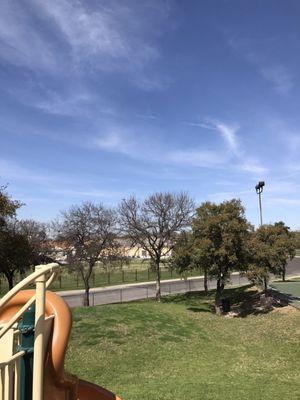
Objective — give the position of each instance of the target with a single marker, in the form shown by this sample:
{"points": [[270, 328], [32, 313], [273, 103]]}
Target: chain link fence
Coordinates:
{"points": [[139, 291]]}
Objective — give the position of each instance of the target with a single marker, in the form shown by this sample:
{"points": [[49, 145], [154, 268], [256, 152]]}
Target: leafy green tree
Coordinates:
{"points": [[21, 241], [181, 259], [285, 247], [8, 207], [296, 235], [192, 253], [221, 233], [202, 257], [16, 253], [11, 243], [270, 247]]}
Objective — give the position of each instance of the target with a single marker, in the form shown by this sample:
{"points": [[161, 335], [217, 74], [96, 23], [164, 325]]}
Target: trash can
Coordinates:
{"points": [[225, 304]]}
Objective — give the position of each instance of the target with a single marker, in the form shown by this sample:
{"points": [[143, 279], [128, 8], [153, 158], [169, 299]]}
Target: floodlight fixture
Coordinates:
{"points": [[259, 189]]}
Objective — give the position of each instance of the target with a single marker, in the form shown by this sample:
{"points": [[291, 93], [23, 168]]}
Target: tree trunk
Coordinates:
{"points": [[86, 279], [10, 279], [86, 300], [219, 290], [158, 291], [265, 285], [283, 274], [205, 282]]}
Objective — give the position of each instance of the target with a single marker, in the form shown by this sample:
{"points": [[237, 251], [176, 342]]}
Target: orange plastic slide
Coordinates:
{"points": [[58, 385]]}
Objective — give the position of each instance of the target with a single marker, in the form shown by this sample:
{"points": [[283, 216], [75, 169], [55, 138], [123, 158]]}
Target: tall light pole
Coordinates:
{"points": [[259, 189]]}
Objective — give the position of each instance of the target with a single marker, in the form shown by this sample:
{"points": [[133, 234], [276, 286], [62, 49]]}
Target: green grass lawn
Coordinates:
{"points": [[179, 350], [291, 287], [295, 279]]}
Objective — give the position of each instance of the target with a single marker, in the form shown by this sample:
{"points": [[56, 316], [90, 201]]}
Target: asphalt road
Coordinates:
{"points": [[144, 290], [293, 268]]}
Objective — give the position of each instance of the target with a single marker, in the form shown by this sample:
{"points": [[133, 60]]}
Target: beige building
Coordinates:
{"points": [[127, 250], [137, 251]]}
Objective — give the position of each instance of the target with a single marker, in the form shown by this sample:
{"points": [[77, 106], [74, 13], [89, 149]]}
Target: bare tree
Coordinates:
{"points": [[115, 258], [154, 224], [89, 231], [36, 234]]}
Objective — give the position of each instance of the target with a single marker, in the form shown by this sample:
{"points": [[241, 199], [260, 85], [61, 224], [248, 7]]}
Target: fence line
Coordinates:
{"points": [[72, 280], [126, 293]]}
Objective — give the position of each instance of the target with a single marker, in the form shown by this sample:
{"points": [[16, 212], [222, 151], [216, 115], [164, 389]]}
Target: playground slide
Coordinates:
{"points": [[58, 385]]}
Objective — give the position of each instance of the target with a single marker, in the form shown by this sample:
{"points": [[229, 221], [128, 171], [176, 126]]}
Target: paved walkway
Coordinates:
{"points": [[145, 290], [289, 291]]}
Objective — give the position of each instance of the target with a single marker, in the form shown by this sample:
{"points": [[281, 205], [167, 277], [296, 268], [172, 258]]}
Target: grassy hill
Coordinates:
{"points": [[179, 350]]}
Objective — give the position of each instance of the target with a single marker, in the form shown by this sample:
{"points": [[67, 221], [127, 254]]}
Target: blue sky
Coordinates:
{"points": [[103, 99]]}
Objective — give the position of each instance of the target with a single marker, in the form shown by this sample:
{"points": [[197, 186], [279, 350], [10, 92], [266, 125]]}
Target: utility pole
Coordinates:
{"points": [[259, 189]]}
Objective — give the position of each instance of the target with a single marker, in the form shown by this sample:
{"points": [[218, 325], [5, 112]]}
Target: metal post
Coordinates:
{"points": [[26, 328], [260, 208], [38, 359], [259, 189]]}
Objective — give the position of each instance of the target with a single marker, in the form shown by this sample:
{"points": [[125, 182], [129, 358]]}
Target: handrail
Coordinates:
{"points": [[12, 359], [40, 270], [39, 278]]}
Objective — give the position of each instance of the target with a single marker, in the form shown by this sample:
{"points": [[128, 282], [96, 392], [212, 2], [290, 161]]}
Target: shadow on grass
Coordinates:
{"points": [[244, 301], [284, 297], [198, 309]]}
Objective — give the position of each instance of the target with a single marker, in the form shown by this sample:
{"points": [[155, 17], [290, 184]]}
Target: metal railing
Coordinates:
{"points": [[9, 336]]}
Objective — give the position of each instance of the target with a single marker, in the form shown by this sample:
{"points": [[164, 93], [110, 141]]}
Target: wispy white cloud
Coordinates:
{"points": [[253, 166], [282, 201], [82, 39], [282, 186], [117, 140], [102, 31], [102, 194], [144, 148], [274, 71], [11, 170], [292, 139], [75, 104], [51, 184], [279, 76], [147, 147], [228, 132], [21, 44], [221, 196], [196, 158], [293, 167], [229, 135], [147, 116]]}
